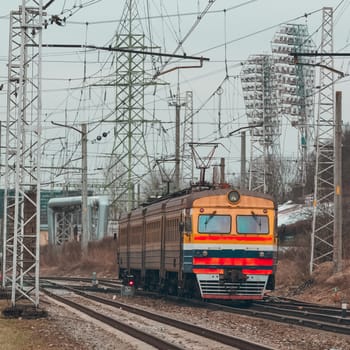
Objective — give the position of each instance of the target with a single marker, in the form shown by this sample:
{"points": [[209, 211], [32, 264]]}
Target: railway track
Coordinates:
{"points": [[305, 315], [220, 338], [125, 328], [280, 310]]}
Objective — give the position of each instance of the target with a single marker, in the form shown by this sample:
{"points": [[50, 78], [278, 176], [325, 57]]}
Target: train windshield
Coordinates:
{"points": [[214, 223], [252, 224]]}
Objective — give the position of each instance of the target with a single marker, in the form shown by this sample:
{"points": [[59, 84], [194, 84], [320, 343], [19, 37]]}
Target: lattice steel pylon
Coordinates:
{"points": [[129, 160], [22, 163], [187, 155], [64, 224], [296, 85], [323, 214], [261, 102]]}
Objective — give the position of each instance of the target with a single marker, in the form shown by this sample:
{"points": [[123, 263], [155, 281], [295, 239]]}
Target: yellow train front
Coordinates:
{"points": [[213, 244]]}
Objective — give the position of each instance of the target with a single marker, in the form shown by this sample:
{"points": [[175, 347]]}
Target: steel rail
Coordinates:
{"points": [[303, 314], [135, 333], [306, 308], [188, 327], [319, 322]]}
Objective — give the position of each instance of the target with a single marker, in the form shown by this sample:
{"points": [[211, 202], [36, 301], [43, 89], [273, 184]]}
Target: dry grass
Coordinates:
{"points": [[15, 335], [68, 259], [33, 334], [326, 287]]}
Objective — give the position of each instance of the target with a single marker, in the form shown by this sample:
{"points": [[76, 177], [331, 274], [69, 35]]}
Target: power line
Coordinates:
{"points": [[147, 18]]}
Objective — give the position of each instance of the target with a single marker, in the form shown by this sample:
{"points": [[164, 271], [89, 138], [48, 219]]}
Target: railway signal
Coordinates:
{"points": [[128, 285]]}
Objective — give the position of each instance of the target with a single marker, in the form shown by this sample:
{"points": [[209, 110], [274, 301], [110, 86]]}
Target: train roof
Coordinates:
{"points": [[186, 198]]}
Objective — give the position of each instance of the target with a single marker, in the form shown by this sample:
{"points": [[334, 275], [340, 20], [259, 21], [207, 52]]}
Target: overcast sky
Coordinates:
{"points": [[231, 31]]}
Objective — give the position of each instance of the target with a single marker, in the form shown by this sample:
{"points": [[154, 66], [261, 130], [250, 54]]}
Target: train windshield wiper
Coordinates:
{"points": [[258, 221], [209, 218]]}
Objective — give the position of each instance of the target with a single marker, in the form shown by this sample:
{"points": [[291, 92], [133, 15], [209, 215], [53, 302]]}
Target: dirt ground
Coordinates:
{"points": [[34, 334], [47, 333]]}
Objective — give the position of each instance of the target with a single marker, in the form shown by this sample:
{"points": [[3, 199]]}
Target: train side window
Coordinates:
{"points": [[252, 224], [214, 223]]}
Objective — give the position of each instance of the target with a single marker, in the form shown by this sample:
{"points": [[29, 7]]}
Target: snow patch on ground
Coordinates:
{"points": [[290, 213]]}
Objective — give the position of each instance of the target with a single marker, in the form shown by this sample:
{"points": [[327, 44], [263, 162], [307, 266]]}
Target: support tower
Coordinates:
{"points": [[323, 214], [22, 163], [129, 161], [187, 156]]}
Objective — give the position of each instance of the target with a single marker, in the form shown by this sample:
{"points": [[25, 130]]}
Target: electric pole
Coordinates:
{"points": [[85, 235], [187, 156], [326, 237], [338, 209], [322, 242], [243, 160], [129, 159], [178, 103], [22, 163]]}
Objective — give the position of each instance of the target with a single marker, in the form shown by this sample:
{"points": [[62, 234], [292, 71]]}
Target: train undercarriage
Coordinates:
{"points": [[232, 286]]}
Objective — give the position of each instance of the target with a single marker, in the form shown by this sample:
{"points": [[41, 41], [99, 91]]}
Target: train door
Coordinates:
{"points": [[181, 226], [162, 249], [128, 232], [143, 250]]}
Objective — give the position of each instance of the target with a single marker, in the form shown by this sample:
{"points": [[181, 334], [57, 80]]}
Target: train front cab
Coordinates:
{"points": [[232, 247]]}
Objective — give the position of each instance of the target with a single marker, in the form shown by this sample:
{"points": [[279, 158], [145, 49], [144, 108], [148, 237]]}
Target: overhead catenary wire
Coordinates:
{"points": [[155, 110], [182, 41], [166, 16], [246, 36]]}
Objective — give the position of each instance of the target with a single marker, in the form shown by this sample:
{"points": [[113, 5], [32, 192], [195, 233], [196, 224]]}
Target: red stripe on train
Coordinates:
{"points": [[233, 238], [209, 271], [256, 272], [221, 271], [232, 297], [234, 261]]}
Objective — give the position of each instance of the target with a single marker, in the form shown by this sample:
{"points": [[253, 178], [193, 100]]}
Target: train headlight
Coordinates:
{"points": [[261, 254], [234, 196], [205, 253]]}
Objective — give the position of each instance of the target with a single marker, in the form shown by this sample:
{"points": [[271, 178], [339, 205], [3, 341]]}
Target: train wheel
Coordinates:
{"points": [[191, 288]]}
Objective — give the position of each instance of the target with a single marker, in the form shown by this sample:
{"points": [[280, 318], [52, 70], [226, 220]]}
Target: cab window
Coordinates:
{"points": [[252, 224], [214, 223]]}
